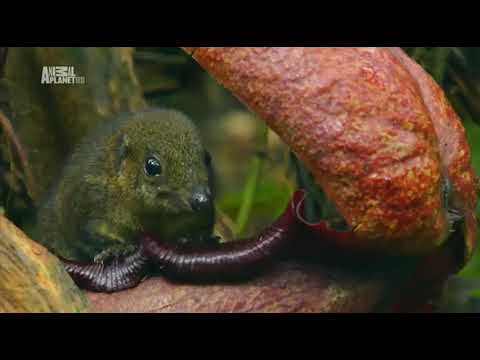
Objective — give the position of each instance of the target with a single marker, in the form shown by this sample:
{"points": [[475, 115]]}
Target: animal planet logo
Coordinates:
{"points": [[61, 75]]}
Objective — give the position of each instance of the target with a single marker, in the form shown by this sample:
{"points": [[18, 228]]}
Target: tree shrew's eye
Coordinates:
{"points": [[152, 167]]}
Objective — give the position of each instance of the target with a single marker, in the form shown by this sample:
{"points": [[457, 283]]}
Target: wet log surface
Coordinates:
{"points": [[31, 279]]}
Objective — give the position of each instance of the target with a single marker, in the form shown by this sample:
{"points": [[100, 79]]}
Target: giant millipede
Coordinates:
{"points": [[118, 274], [223, 262]]}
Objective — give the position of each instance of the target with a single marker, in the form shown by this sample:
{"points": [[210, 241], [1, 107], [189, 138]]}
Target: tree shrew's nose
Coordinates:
{"points": [[201, 198]]}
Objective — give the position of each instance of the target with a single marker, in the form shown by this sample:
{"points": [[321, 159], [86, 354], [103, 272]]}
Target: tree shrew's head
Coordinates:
{"points": [[164, 167]]}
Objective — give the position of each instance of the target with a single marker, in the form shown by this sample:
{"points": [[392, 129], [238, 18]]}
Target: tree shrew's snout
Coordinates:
{"points": [[201, 198], [194, 202]]}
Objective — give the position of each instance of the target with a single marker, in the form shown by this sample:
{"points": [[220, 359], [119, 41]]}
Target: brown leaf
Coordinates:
{"points": [[289, 287]]}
